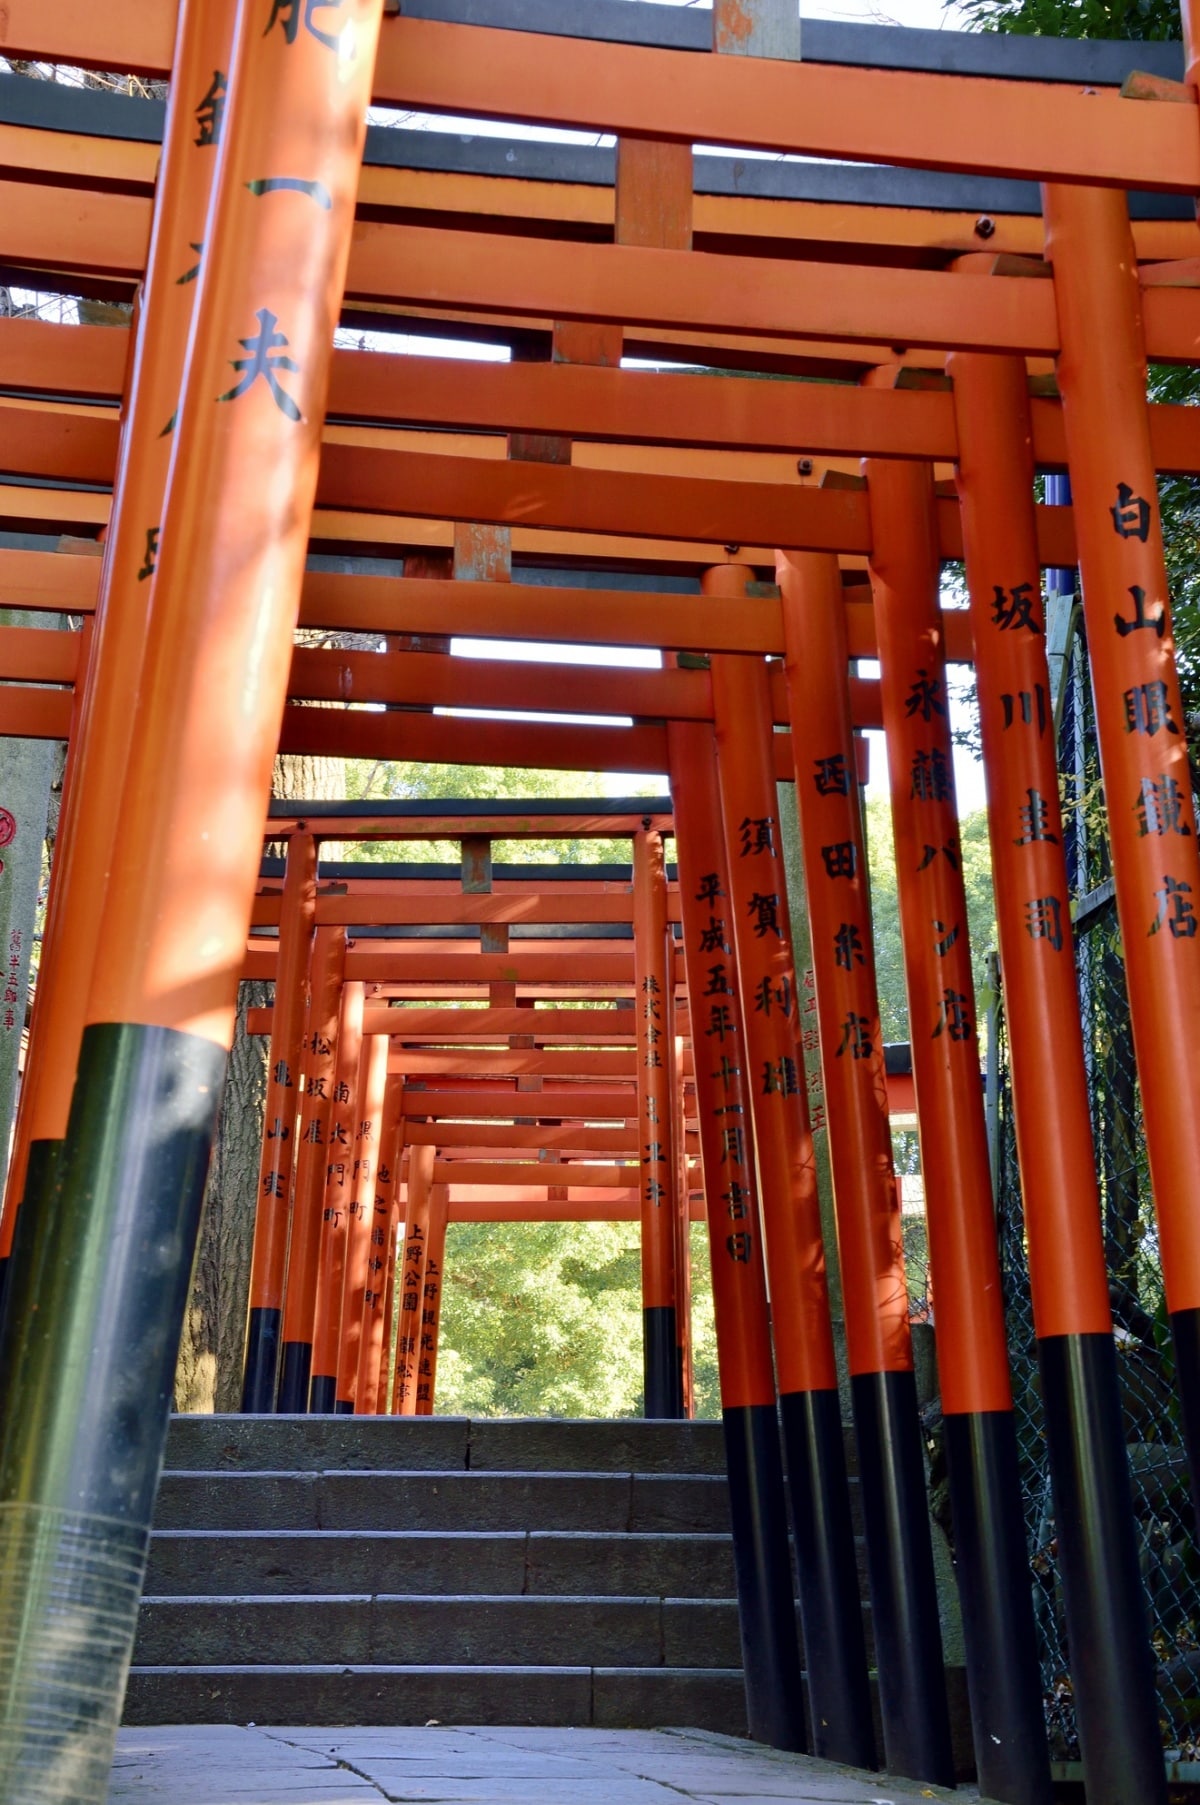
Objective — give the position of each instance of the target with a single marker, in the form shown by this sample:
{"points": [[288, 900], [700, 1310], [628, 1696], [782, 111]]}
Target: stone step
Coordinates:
{"points": [[374, 1500], [469, 1631], [609, 1697], [633, 1564], [441, 1443]]}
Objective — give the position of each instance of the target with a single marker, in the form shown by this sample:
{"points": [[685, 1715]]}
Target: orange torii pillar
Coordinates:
{"points": [[380, 1285], [1139, 723], [88, 1347], [683, 1218], [318, 1075], [411, 1279], [903, 1586], [368, 1135], [758, 1515], [433, 1278], [1139, 720], [338, 1197], [655, 1005], [105, 709], [1113, 1678], [756, 908], [980, 1434], [264, 1324]]}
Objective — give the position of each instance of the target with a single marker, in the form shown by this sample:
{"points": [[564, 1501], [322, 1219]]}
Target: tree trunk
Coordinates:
{"points": [[209, 1373]]}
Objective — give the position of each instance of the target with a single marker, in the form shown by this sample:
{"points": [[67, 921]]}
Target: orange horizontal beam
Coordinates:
{"points": [[50, 227], [37, 654], [441, 1025], [918, 120], [517, 1063], [353, 603], [527, 823], [629, 503], [582, 1101], [550, 1209], [575, 401], [497, 1177], [501, 1136], [630, 285], [372, 963], [30, 713], [417, 911]]}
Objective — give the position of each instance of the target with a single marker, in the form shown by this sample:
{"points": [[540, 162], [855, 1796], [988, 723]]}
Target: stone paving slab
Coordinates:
{"points": [[234, 1765]]}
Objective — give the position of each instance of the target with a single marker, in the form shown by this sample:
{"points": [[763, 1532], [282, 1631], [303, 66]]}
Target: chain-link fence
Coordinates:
{"points": [[1166, 1533]]}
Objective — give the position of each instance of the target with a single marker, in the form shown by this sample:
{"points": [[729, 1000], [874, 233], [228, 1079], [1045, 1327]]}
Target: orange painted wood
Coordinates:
{"points": [[917, 120], [588, 402], [922, 120], [587, 1101]]}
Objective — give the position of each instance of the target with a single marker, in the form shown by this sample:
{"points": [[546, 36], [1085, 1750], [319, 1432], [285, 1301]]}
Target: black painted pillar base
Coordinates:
{"points": [[343, 1407], [904, 1602], [322, 1394], [295, 1366], [262, 1362], [996, 1592], [835, 1653], [660, 1362], [90, 1340], [41, 1170], [763, 1573], [1112, 1672], [1185, 1333]]}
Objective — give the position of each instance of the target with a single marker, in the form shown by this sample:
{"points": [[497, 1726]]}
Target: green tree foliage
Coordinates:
{"points": [[545, 1319], [393, 779], [1179, 496]]}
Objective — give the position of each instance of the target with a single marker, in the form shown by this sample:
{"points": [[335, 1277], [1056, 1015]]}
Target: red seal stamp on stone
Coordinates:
{"points": [[8, 827]]}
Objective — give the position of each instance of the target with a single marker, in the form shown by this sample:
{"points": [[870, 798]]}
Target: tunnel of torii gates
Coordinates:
{"points": [[195, 486]]}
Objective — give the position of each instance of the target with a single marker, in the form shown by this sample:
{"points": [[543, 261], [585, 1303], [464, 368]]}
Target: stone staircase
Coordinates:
{"points": [[364, 1570], [546, 1573]]}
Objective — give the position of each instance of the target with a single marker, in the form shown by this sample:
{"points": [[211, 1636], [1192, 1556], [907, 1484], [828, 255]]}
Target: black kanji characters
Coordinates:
{"points": [[765, 910], [1131, 514], [856, 1039], [931, 777], [1013, 608], [925, 696], [779, 1076], [848, 947], [291, 14], [150, 556], [840, 859], [1043, 920], [1035, 821], [267, 357], [757, 834], [769, 995], [1148, 710], [953, 1018], [1029, 705], [1155, 623], [1175, 912], [1161, 806], [211, 112], [831, 776]]}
